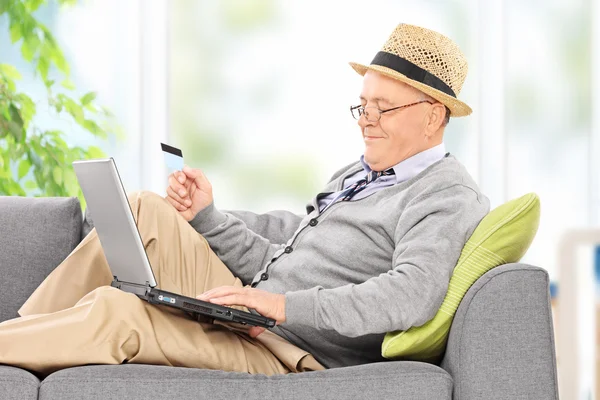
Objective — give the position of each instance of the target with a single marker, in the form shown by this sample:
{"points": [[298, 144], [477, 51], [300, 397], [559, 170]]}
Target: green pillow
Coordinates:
{"points": [[503, 236]]}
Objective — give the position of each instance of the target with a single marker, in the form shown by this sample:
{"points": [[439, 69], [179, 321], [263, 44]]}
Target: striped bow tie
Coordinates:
{"points": [[357, 187], [361, 184]]}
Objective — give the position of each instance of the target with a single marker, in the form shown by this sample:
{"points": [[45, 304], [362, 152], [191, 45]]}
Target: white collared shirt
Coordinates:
{"points": [[404, 170]]}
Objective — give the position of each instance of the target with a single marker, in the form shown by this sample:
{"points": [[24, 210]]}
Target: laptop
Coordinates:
{"points": [[124, 250]]}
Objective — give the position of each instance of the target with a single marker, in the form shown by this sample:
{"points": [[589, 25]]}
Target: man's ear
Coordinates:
{"points": [[437, 115]]}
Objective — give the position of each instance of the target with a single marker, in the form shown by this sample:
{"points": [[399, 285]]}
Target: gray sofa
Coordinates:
{"points": [[501, 345]]}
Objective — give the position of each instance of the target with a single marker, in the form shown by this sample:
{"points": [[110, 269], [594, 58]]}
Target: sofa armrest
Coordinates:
{"points": [[501, 343], [36, 235]]}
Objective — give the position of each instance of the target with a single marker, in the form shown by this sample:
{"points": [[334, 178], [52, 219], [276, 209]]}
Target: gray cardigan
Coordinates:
{"points": [[361, 268]]}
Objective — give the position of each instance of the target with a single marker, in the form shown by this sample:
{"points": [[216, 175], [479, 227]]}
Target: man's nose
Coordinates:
{"points": [[363, 122]]}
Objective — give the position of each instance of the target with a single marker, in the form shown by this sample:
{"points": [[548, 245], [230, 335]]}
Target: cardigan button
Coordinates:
{"points": [[288, 249], [313, 222]]}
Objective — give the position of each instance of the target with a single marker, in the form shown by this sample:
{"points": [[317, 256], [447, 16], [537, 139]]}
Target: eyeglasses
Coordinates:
{"points": [[374, 115]]}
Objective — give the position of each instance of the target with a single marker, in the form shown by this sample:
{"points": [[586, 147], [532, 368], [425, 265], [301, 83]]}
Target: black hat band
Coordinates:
{"points": [[411, 71]]}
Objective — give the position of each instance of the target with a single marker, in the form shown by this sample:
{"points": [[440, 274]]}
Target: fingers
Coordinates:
{"points": [[267, 304], [255, 331], [180, 176], [197, 175], [178, 191], [233, 300], [178, 206], [220, 291], [177, 187], [232, 296], [184, 201]]}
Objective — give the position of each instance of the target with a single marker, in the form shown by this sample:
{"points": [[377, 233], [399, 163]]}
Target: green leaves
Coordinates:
{"points": [[15, 116], [58, 175], [8, 75], [68, 84], [30, 185], [15, 123], [89, 97], [11, 122], [94, 128], [30, 47], [4, 6], [38, 45], [51, 51], [28, 108], [43, 67], [78, 112], [95, 152], [32, 5], [73, 108], [24, 167], [37, 160], [15, 32], [9, 72]]}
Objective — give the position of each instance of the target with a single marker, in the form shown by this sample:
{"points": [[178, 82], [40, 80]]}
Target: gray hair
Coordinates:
{"points": [[431, 99]]}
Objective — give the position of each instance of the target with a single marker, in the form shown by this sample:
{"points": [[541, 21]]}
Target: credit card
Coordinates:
{"points": [[173, 158]]}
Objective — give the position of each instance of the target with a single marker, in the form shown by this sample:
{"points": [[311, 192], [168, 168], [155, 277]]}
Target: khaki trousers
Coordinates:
{"points": [[73, 318]]}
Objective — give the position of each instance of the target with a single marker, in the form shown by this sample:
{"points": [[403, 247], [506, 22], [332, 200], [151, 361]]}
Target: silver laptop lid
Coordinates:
{"points": [[113, 220]]}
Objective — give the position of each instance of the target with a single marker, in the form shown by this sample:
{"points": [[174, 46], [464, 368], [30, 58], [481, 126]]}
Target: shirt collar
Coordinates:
{"points": [[414, 165]]}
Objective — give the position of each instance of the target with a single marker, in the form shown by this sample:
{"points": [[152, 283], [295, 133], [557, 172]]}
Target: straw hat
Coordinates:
{"points": [[425, 60]]}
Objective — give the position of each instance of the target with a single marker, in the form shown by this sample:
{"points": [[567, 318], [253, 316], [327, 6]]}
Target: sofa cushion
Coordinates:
{"points": [[36, 235], [17, 384], [398, 380], [503, 236]]}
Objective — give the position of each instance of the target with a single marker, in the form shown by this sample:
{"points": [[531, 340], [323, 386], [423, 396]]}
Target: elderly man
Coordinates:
{"points": [[374, 253]]}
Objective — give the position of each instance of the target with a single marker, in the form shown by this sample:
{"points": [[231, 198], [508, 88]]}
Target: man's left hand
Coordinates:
{"points": [[267, 304]]}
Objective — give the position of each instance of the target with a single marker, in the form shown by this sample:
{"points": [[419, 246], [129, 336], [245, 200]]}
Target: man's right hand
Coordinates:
{"points": [[189, 192]]}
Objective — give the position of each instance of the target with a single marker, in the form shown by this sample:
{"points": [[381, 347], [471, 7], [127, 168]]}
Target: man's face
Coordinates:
{"points": [[399, 134]]}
